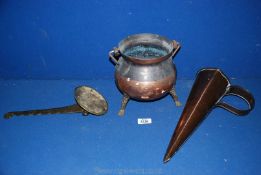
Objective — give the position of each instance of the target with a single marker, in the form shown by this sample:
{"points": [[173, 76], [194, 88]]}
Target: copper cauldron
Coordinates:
{"points": [[144, 67]]}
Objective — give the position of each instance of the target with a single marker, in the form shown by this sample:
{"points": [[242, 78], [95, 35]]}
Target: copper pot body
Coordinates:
{"points": [[144, 66]]}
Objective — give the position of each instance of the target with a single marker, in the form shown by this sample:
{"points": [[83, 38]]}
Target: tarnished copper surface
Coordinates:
{"points": [[150, 90], [144, 67], [210, 86]]}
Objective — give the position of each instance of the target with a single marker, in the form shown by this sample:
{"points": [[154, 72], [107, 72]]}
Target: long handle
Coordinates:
{"points": [[242, 93], [62, 110]]}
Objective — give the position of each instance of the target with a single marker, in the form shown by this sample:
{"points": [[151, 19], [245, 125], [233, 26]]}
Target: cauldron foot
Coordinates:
{"points": [[175, 97], [124, 102]]}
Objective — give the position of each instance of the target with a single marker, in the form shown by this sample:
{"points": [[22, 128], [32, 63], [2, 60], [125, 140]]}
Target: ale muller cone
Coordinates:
{"points": [[208, 89]]}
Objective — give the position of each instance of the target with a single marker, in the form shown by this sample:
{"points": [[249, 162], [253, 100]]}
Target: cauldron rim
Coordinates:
{"points": [[148, 38]]}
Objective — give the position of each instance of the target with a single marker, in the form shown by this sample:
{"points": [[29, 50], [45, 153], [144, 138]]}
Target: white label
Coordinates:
{"points": [[144, 121]]}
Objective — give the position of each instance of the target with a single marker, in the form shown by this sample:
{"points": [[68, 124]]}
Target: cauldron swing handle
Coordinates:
{"points": [[114, 55], [176, 47]]}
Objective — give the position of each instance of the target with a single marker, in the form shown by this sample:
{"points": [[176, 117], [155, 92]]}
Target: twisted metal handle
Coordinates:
{"points": [[61, 110]]}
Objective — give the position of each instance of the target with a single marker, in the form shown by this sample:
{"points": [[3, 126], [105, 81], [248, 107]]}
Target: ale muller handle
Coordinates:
{"points": [[114, 55], [242, 93]]}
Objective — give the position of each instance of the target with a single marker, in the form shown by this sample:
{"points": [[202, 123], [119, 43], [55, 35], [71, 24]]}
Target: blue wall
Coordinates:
{"points": [[55, 39]]}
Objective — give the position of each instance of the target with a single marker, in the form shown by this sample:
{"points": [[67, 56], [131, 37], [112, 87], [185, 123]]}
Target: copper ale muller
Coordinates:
{"points": [[144, 66], [209, 89]]}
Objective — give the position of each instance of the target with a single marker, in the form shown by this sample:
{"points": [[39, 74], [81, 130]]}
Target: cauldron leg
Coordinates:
{"points": [[124, 102], [175, 97]]}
